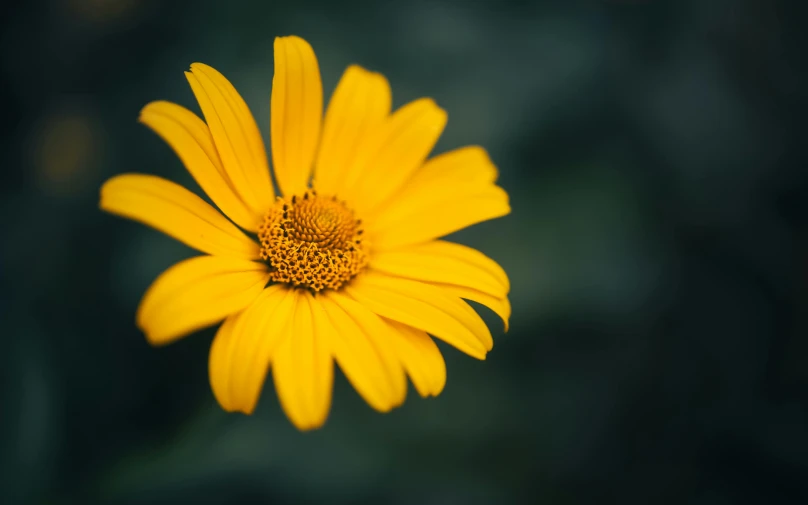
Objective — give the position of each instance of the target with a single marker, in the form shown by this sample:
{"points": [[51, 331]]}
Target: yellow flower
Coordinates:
{"points": [[347, 265]]}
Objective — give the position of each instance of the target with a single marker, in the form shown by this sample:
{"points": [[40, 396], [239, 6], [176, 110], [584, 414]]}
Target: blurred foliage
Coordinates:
{"points": [[655, 159]]}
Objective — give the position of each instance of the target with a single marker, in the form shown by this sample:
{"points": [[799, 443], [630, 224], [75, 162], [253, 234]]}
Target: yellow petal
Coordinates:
{"points": [[302, 366], [425, 307], [464, 164], [448, 177], [444, 262], [428, 223], [196, 293], [450, 192], [190, 138], [500, 305], [420, 356], [219, 362], [237, 138], [242, 350], [393, 153], [359, 105], [359, 343], [296, 113], [177, 212]]}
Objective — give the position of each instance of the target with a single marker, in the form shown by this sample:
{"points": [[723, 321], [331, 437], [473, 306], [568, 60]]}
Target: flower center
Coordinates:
{"points": [[313, 242]]}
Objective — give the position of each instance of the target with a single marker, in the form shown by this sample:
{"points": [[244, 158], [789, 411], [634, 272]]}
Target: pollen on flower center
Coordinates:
{"points": [[313, 242]]}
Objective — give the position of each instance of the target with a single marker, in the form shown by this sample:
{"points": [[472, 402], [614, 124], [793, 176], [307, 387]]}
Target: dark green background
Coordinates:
{"points": [[657, 249]]}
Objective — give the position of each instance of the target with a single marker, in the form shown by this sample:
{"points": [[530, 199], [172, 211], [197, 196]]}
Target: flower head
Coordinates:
{"points": [[347, 265]]}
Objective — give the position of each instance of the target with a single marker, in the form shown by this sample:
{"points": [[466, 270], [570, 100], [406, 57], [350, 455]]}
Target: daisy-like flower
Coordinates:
{"points": [[343, 265]]}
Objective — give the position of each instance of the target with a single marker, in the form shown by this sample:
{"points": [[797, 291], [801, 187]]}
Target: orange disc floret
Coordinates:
{"points": [[313, 242]]}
